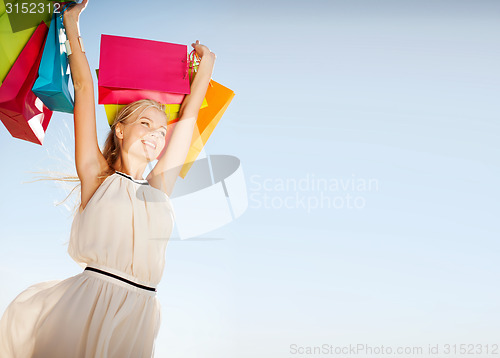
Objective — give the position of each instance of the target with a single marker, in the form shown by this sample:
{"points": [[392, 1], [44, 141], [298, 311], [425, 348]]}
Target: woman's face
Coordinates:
{"points": [[144, 138]]}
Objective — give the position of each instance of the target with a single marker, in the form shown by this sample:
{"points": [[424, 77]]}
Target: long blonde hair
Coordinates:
{"points": [[111, 151]]}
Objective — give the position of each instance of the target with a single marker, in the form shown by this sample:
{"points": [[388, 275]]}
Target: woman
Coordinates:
{"points": [[120, 232]]}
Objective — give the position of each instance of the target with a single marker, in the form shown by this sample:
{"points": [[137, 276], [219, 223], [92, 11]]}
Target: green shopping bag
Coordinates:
{"points": [[11, 43], [27, 14]]}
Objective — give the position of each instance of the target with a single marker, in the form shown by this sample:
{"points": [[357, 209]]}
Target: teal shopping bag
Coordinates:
{"points": [[51, 85]]}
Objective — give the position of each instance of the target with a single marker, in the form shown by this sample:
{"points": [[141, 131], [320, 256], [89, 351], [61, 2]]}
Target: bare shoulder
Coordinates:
{"points": [[90, 181]]}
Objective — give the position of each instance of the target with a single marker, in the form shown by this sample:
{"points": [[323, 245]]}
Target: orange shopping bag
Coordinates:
{"points": [[218, 99]]}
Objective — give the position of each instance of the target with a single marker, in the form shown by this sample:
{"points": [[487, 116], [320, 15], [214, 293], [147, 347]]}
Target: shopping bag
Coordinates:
{"points": [[172, 110], [27, 14], [132, 69], [51, 85], [218, 99], [21, 111], [11, 43]]}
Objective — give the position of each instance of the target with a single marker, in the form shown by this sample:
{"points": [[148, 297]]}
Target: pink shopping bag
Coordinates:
{"points": [[131, 69]]}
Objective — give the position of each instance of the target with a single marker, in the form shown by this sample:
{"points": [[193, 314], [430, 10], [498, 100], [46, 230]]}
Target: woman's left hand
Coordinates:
{"points": [[73, 12], [202, 50]]}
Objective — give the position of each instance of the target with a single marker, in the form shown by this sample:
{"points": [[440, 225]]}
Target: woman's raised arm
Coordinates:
{"points": [[88, 157], [165, 173]]}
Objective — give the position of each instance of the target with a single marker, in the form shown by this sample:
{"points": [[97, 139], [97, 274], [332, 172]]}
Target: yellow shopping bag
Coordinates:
{"points": [[172, 111]]}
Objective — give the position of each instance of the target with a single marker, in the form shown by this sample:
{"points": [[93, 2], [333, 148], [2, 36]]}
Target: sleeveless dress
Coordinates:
{"points": [[123, 230]]}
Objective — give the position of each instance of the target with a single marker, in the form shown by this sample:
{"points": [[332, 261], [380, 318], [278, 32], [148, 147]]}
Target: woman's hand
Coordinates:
{"points": [[72, 13], [202, 50]]}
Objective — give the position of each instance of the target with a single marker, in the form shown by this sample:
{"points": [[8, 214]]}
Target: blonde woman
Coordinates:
{"points": [[120, 230]]}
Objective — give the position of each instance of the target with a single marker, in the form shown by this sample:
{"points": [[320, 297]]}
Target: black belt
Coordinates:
{"points": [[121, 278]]}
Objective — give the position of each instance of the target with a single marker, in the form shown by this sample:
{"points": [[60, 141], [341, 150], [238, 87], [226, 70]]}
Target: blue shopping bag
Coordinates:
{"points": [[51, 85]]}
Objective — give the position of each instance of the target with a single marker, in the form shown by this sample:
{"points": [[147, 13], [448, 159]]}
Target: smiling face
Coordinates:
{"points": [[143, 138]]}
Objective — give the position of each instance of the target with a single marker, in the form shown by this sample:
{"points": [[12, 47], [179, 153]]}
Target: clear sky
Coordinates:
{"points": [[369, 136]]}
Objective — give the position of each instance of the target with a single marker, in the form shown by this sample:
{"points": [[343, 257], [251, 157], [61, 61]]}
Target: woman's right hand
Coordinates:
{"points": [[72, 13]]}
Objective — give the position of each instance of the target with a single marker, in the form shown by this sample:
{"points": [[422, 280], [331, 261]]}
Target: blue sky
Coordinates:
{"points": [[402, 94]]}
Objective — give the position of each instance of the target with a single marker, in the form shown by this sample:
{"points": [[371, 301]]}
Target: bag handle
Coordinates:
{"points": [[194, 59], [194, 63], [191, 63]]}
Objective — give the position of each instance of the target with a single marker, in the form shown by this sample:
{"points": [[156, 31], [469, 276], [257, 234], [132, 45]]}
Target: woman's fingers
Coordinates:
{"points": [[196, 44], [82, 5]]}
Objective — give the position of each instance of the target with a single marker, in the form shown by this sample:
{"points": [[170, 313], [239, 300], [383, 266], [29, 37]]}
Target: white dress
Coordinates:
{"points": [[123, 230]]}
